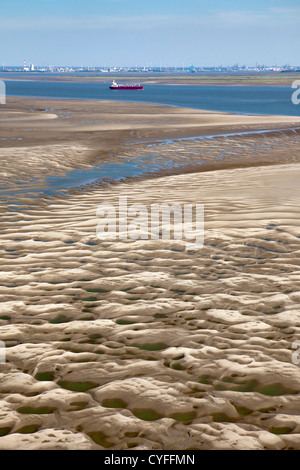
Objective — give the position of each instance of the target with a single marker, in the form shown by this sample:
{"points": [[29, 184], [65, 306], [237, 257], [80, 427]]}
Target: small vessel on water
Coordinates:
{"points": [[119, 86]]}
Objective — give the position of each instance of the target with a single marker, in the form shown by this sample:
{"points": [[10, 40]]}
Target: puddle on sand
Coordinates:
{"points": [[156, 157]]}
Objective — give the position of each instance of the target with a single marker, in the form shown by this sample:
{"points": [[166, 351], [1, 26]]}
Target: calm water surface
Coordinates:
{"points": [[237, 99]]}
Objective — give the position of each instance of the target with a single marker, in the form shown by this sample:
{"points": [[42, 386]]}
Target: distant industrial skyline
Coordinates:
{"points": [[157, 33], [30, 67]]}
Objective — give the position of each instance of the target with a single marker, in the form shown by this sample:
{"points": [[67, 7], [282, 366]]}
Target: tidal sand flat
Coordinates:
{"points": [[234, 79], [42, 140], [143, 344]]}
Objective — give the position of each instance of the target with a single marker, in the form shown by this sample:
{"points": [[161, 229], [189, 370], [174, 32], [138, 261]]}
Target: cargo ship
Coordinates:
{"points": [[118, 86]]}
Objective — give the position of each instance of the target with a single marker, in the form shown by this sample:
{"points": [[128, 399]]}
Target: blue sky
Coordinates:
{"points": [[149, 32]]}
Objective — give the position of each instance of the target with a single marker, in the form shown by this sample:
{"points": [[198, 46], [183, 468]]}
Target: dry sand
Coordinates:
{"points": [[143, 344]]}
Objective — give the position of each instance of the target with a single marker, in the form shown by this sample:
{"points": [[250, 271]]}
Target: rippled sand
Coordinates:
{"points": [[142, 344]]}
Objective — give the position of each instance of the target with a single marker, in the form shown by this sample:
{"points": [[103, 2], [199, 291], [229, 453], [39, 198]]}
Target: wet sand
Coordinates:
{"points": [[44, 137], [143, 344]]}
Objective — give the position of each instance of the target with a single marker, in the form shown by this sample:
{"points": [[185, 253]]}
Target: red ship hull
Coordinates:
{"points": [[126, 87]]}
